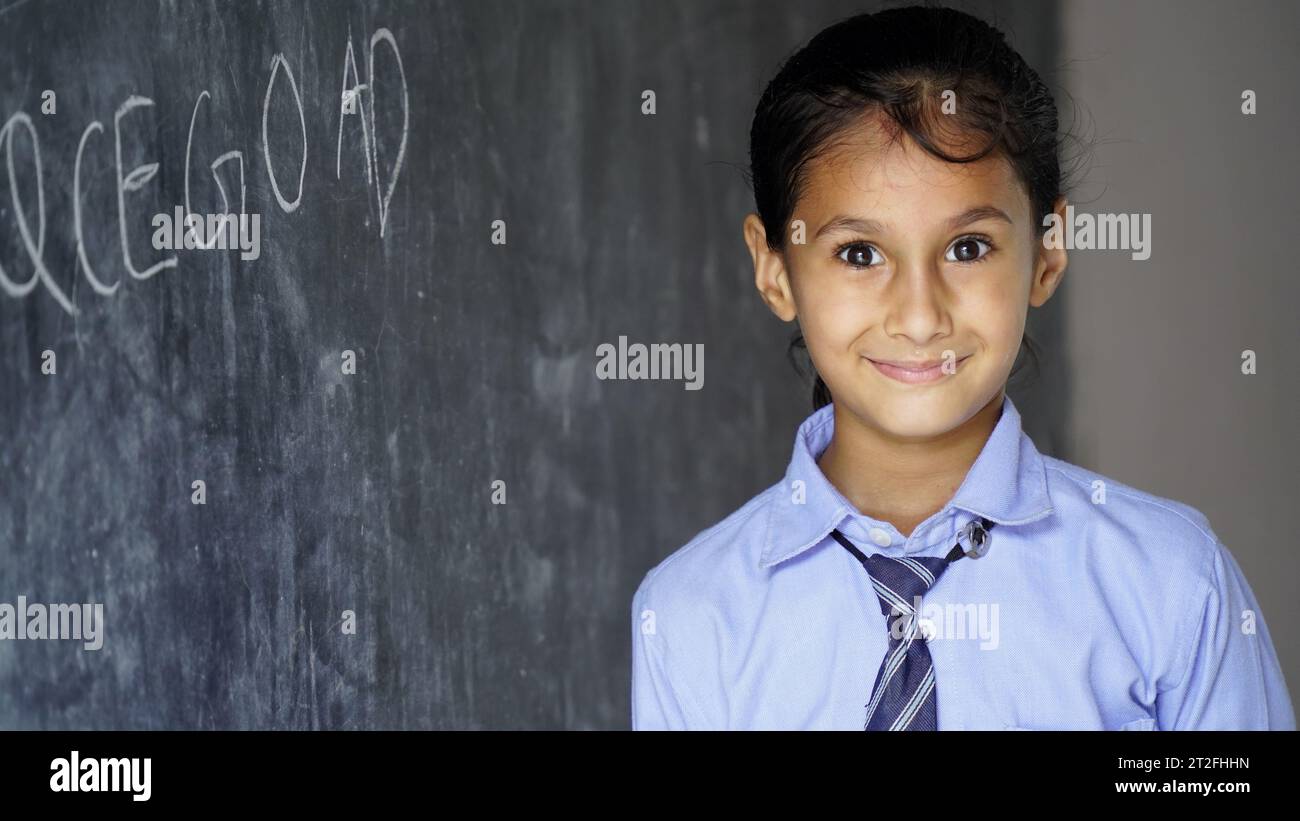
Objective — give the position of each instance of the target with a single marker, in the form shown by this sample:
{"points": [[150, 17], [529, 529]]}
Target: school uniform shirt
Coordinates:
{"points": [[1096, 607]]}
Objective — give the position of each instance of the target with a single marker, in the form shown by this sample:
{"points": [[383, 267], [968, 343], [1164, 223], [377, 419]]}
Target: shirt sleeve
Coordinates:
{"points": [[1232, 679], [657, 703]]}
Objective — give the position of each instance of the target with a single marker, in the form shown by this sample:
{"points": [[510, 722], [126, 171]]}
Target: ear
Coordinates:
{"points": [[770, 274], [1049, 267]]}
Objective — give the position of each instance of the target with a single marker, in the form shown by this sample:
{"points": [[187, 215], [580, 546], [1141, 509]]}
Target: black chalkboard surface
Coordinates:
{"points": [[356, 468]]}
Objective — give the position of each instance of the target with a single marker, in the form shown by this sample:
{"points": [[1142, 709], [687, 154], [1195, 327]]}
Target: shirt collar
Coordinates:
{"points": [[1007, 484]]}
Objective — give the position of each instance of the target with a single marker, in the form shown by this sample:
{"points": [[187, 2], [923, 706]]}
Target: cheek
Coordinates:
{"points": [[1001, 322], [830, 310], [998, 306], [831, 327]]}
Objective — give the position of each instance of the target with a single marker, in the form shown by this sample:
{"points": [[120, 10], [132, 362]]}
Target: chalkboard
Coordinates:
{"points": [[360, 470]]}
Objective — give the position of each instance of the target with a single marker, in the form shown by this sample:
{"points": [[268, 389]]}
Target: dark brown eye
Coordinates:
{"points": [[857, 254], [967, 249]]}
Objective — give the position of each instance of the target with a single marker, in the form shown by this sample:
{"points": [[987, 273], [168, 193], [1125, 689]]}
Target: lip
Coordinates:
{"points": [[914, 373]]}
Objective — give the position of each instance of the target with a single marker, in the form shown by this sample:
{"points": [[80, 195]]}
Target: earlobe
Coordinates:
{"points": [[770, 274]]}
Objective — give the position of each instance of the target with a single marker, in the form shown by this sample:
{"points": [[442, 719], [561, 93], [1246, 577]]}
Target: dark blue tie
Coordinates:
{"points": [[903, 696]]}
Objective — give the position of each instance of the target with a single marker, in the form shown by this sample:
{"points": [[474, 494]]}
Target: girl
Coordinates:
{"points": [[921, 565]]}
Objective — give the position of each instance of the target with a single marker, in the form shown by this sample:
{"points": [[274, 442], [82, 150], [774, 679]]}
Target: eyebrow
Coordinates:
{"points": [[979, 212]]}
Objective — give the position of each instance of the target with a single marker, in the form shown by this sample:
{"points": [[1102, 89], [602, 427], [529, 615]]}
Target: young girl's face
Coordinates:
{"points": [[908, 259]]}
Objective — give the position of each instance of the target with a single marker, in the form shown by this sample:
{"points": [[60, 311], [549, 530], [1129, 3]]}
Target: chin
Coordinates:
{"points": [[907, 422], [921, 416]]}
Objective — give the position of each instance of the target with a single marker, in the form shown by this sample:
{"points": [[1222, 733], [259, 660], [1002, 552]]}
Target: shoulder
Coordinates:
{"points": [[1129, 522], [694, 575]]}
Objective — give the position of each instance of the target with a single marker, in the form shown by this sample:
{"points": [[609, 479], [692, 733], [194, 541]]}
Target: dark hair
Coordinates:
{"points": [[899, 62]]}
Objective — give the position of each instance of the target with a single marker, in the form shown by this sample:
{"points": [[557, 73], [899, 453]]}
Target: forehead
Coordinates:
{"points": [[865, 172]]}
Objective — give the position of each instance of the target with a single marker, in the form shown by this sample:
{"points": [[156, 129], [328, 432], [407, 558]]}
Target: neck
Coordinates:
{"points": [[903, 481]]}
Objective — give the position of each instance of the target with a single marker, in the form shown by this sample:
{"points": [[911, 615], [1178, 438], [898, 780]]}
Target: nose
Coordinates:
{"points": [[918, 305]]}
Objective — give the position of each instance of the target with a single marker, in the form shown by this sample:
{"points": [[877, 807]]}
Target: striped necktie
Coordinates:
{"points": [[903, 697]]}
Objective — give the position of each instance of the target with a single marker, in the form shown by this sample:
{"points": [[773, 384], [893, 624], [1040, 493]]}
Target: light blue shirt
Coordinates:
{"points": [[1097, 606]]}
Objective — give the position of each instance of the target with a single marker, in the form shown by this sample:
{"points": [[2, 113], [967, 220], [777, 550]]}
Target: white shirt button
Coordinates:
{"points": [[880, 537]]}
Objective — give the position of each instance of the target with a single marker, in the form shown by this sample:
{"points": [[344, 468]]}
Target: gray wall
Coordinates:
{"points": [[1154, 347]]}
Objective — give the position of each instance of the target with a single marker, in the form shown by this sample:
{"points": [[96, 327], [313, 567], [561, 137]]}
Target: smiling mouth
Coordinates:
{"points": [[915, 373]]}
